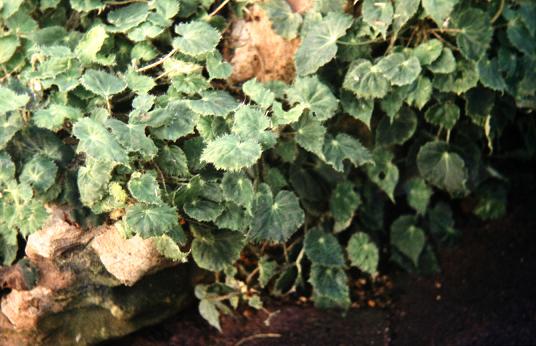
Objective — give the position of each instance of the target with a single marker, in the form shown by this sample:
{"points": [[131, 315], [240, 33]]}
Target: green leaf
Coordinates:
{"points": [[479, 104], [275, 219], [54, 116], [441, 223], [116, 198], [442, 167], [439, 10], [428, 52], [274, 178], [168, 248], [40, 172], [492, 202], [211, 127], [32, 218], [172, 161], [8, 245], [204, 201], [404, 11], [527, 12], [418, 194], [383, 172], [490, 74], [365, 80], [321, 39], [93, 179], [323, 248], [419, 93], [144, 188], [312, 94], [363, 253], [230, 153], [10, 7], [329, 282], [258, 93], [234, 218], [11, 101], [167, 8], [128, 17], [344, 147], [520, 37], [151, 221], [378, 14], [182, 121], [215, 250], [398, 69], [217, 68], [393, 101], [196, 38], [251, 123], [476, 32], [444, 114], [267, 270], [139, 83], [445, 64], [133, 138], [97, 142], [408, 238], [284, 20], [218, 103], [399, 130], [10, 124], [7, 168], [102, 83], [208, 310], [344, 201], [237, 188], [310, 135], [360, 109], [8, 46], [91, 43], [462, 79], [282, 117], [86, 5]]}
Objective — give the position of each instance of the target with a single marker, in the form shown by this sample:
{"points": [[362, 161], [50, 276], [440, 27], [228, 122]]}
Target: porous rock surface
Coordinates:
{"points": [[80, 287]]}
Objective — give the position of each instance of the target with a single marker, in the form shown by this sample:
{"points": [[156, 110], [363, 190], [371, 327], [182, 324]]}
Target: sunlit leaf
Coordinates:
{"points": [[229, 152], [321, 39]]}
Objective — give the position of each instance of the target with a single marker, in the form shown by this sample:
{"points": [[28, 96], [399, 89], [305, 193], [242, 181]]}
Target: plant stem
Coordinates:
{"points": [[158, 62], [225, 296], [392, 42], [499, 12], [109, 105], [442, 30], [252, 275], [123, 2], [344, 43], [257, 336], [219, 8]]}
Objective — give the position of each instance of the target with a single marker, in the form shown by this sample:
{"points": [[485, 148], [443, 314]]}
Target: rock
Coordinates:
{"points": [[82, 287], [255, 50], [21, 276], [127, 259], [59, 235], [301, 6]]}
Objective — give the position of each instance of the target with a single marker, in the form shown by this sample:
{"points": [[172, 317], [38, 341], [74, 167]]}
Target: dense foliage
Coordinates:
{"points": [[121, 110]]}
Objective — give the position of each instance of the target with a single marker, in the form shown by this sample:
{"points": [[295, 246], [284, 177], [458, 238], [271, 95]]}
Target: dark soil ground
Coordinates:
{"points": [[485, 295]]}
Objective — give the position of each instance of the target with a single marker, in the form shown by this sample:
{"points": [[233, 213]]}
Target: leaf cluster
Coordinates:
{"points": [[124, 111]]}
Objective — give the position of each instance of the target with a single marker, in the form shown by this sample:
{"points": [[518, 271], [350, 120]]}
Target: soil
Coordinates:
{"points": [[485, 295]]}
